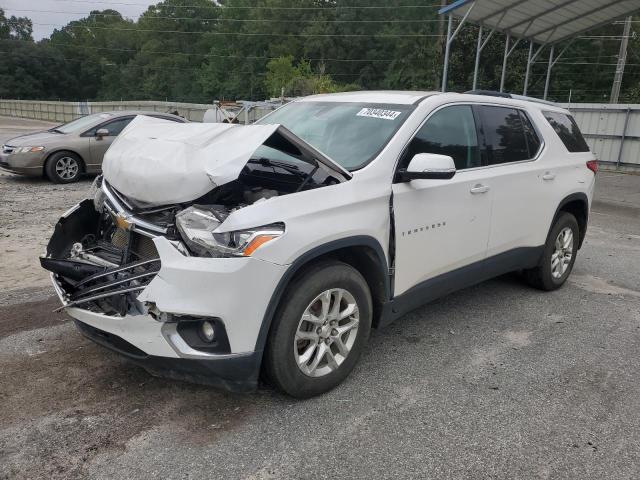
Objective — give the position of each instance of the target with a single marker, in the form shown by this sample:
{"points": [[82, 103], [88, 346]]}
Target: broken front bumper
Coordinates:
{"points": [[234, 292]]}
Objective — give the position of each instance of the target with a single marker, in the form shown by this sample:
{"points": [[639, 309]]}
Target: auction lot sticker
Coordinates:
{"points": [[378, 113]]}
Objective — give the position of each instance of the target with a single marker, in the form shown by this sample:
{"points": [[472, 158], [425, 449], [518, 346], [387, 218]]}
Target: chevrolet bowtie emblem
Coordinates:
{"points": [[122, 221]]}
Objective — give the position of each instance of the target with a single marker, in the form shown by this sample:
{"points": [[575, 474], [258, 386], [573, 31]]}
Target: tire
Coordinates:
{"points": [[549, 277], [286, 349], [64, 167]]}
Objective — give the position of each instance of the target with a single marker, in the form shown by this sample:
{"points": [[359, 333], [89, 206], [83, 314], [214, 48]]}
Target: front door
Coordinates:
{"points": [[442, 225], [99, 145]]}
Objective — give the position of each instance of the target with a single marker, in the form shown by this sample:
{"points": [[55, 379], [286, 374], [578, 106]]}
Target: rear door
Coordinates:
{"points": [[520, 180], [441, 225], [571, 153], [99, 145]]}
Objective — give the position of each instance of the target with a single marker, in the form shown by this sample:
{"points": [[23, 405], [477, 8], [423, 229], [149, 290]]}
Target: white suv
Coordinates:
{"points": [[217, 252]]}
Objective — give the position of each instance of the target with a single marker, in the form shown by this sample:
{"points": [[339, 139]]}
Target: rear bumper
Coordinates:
{"points": [[236, 373]]}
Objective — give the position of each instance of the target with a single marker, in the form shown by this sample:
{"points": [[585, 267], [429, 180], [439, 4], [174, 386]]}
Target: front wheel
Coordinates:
{"points": [[319, 330], [63, 167], [559, 255]]}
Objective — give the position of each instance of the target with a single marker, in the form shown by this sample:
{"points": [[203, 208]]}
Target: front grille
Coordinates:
{"points": [[142, 247], [133, 245], [113, 291], [120, 238], [150, 221], [8, 149], [98, 265]]}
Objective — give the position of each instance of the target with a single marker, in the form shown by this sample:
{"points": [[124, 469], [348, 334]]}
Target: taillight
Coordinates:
{"points": [[593, 165]]}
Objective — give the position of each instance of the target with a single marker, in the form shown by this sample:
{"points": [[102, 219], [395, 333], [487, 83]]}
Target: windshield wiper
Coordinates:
{"points": [[294, 169]]}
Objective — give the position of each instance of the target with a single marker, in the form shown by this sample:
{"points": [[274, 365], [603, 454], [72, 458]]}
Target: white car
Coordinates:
{"points": [[217, 252]]}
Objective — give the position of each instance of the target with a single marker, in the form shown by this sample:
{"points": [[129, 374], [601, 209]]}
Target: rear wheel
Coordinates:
{"points": [[559, 255], [63, 167], [319, 330]]}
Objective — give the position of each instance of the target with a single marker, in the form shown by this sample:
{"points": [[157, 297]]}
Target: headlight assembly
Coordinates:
{"points": [[28, 149], [197, 223]]}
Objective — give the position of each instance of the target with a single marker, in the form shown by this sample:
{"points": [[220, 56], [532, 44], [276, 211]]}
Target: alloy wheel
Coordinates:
{"points": [[326, 332], [562, 253], [67, 167]]}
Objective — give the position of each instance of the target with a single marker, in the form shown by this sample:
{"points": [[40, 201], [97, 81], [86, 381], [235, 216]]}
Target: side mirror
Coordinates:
{"points": [[428, 166], [102, 132]]}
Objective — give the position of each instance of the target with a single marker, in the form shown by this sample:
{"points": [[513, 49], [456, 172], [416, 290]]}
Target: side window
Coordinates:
{"points": [[450, 131], [567, 129], [504, 135], [117, 126], [530, 135]]}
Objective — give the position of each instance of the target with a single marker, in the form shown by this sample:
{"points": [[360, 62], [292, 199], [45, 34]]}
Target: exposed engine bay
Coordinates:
{"points": [[102, 253]]}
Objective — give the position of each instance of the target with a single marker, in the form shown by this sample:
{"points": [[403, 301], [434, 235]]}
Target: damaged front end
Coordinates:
{"points": [[102, 253], [101, 256], [153, 265]]}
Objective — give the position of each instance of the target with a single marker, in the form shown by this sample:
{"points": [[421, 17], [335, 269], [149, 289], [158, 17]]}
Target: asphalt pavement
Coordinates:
{"points": [[495, 381]]}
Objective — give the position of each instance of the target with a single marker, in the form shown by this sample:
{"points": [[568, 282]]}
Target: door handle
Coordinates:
{"points": [[479, 188], [548, 176]]}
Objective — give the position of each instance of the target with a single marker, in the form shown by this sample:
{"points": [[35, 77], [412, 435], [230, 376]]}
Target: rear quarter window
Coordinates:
{"points": [[567, 129]]}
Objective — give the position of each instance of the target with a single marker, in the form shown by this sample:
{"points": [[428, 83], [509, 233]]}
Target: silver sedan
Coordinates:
{"points": [[67, 151]]}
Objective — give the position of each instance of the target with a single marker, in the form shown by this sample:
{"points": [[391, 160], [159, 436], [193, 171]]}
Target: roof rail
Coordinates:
{"points": [[491, 93]]}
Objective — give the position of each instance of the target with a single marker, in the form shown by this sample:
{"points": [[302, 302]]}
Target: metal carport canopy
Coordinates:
{"points": [[545, 22], [542, 21]]}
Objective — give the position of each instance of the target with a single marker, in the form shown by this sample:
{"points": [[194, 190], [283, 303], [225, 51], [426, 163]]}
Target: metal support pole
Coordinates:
{"points": [[622, 60], [450, 37], [480, 48], [624, 134], [526, 75], [549, 67], [504, 62], [475, 69], [446, 55]]}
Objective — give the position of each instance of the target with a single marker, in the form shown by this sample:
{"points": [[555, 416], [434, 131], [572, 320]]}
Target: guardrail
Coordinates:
{"points": [[67, 111]]}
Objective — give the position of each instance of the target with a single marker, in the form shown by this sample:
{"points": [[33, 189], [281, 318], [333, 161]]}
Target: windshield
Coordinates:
{"points": [[351, 134], [82, 123]]}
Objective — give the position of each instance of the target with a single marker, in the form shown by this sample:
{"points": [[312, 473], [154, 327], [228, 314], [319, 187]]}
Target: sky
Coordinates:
{"points": [[41, 12]]}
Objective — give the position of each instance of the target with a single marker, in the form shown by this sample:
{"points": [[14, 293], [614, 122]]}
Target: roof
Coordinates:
{"points": [[497, 98], [373, 96], [542, 21], [120, 113]]}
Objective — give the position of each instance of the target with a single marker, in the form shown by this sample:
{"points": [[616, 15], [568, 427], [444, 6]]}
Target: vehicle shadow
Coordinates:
{"points": [[68, 379]]}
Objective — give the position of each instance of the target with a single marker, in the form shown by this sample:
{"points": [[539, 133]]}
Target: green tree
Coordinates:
{"points": [[201, 50], [92, 47], [299, 80], [16, 28]]}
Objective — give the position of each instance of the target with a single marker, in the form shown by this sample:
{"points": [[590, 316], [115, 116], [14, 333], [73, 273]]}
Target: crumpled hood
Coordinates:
{"points": [[159, 162]]}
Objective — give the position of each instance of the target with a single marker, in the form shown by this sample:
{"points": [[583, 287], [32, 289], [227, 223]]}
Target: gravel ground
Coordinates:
{"points": [[496, 381]]}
